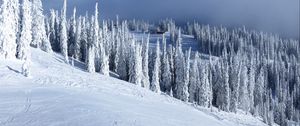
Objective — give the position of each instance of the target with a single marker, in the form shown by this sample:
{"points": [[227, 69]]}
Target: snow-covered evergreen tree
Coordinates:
{"points": [[165, 66], [114, 46], [122, 63], [234, 82], [54, 38], [84, 39], [135, 67], [186, 74], [181, 87], [39, 37], [258, 92], [100, 61], [251, 83], [116, 50], [104, 61], [271, 109], [155, 86], [77, 44], [63, 33], [204, 87], [139, 64], [90, 58], [52, 30], [102, 54], [23, 50], [210, 88], [132, 58], [9, 15], [48, 30], [145, 56], [194, 80], [72, 35], [244, 102], [223, 94], [171, 56], [90, 54]]}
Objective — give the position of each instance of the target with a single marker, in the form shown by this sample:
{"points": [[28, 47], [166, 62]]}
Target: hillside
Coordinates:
{"points": [[83, 69], [75, 97]]}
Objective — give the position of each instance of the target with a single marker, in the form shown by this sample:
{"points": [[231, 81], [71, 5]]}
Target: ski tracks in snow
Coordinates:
{"points": [[18, 113]]}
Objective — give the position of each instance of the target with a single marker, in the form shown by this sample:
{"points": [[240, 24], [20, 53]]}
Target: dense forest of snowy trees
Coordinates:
{"points": [[233, 70]]}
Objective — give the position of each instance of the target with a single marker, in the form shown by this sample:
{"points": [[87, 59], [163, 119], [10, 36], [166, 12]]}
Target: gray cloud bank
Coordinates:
{"points": [[276, 16]]}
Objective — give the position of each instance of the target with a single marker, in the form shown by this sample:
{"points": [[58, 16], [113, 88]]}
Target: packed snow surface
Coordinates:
{"points": [[59, 94]]}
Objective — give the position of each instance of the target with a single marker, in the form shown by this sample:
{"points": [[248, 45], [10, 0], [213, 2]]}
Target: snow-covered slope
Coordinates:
{"points": [[58, 94]]}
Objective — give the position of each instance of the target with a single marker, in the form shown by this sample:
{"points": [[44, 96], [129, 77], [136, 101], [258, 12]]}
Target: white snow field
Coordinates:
{"points": [[58, 94]]}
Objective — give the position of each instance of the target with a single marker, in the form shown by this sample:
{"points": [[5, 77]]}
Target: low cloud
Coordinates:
{"points": [[276, 16]]}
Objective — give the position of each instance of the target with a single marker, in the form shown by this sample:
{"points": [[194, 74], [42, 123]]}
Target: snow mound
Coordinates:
{"points": [[59, 94]]}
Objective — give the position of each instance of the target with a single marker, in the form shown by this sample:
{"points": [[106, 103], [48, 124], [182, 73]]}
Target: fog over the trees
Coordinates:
{"points": [[276, 16]]}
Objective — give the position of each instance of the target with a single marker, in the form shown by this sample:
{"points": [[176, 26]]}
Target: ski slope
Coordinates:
{"points": [[58, 94]]}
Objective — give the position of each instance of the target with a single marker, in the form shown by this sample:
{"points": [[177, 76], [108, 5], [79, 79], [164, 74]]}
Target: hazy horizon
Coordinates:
{"points": [[273, 16]]}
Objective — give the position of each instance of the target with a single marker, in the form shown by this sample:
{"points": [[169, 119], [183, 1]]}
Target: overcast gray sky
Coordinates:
{"points": [[278, 16]]}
